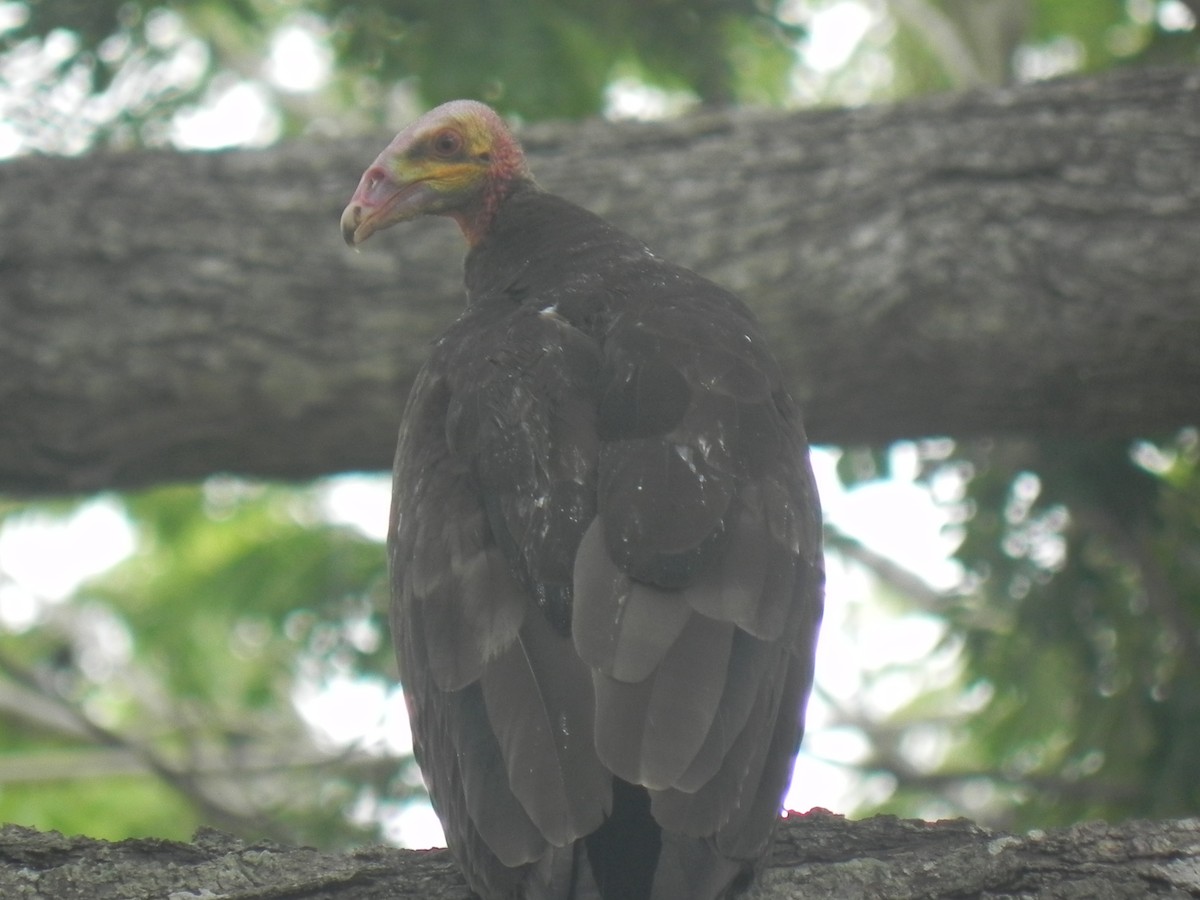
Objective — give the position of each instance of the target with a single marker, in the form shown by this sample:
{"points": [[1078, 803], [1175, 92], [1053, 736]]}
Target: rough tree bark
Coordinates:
{"points": [[1014, 261], [818, 856]]}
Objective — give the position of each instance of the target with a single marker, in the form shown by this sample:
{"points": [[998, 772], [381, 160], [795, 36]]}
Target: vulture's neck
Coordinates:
{"points": [[538, 241]]}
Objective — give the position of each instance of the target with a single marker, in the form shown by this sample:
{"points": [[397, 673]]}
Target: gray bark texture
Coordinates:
{"points": [[1020, 261], [818, 856]]}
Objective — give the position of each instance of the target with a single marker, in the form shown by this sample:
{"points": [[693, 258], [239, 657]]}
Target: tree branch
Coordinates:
{"points": [[818, 855], [1011, 261], [915, 589], [942, 39]]}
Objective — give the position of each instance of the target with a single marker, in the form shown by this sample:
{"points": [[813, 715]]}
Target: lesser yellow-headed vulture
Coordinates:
{"points": [[605, 545]]}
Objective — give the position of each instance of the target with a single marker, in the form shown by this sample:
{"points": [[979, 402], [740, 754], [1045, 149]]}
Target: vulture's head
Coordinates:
{"points": [[457, 160]]}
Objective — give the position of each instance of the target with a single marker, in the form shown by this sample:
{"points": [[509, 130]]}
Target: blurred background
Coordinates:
{"points": [[1012, 626]]}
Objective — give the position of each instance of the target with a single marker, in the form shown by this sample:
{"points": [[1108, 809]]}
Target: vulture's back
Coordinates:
{"points": [[606, 564]]}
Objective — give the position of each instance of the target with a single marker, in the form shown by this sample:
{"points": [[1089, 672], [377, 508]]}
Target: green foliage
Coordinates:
{"points": [[1115, 32], [213, 548], [119, 74], [533, 58], [113, 808], [1079, 624], [1011, 40], [181, 665]]}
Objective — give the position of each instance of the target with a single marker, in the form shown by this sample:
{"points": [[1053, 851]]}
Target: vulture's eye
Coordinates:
{"points": [[447, 143]]}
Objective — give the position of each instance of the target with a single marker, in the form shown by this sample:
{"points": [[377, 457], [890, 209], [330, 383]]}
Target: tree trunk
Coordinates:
{"points": [[817, 856], [1013, 261]]}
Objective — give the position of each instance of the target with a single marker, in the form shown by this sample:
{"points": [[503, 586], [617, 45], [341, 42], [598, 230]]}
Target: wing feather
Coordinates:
{"points": [[622, 628], [464, 769], [470, 617], [751, 663], [726, 796], [539, 701], [649, 732]]}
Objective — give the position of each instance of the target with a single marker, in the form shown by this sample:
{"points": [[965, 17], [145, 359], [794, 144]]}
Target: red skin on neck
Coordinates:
{"points": [[508, 167]]}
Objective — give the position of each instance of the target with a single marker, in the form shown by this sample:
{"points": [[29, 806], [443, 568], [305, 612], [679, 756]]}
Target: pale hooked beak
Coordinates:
{"points": [[380, 201]]}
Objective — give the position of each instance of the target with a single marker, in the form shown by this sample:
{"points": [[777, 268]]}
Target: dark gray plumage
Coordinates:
{"points": [[605, 545]]}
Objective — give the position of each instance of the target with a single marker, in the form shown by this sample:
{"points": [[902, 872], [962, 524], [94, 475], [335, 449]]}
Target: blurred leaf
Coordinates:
{"points": [[857, 465], [191, 653], [1085, 632]]}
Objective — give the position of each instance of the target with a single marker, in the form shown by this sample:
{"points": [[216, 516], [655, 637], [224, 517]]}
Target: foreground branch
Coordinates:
{"points": [[1021, 260], [818, 856]]}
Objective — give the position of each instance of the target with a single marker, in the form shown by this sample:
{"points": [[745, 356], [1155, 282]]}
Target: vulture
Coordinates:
{"points": [[604, 545]]}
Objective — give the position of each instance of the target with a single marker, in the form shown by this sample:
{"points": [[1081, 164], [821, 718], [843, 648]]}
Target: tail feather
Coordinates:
{"points": [[623, 853], [630, 858], [692, 868], [562, 874]]}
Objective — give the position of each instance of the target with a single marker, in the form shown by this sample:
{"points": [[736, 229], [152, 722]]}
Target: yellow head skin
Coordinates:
{"points": [[457, 160]]}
